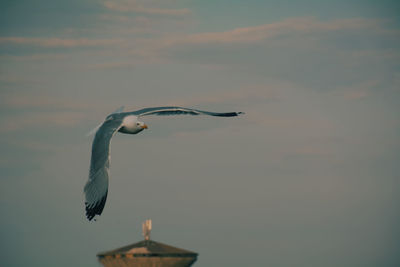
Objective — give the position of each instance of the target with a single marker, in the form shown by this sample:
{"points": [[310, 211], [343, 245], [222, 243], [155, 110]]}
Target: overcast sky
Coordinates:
{"points": [[309, 176]]}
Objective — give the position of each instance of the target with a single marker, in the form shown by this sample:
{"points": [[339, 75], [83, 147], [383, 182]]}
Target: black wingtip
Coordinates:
{"points": [[229, 114], [96, 208]]}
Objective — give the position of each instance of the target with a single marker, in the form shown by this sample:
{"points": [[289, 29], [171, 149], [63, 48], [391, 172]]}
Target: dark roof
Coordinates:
{"points": [[149, 248]]}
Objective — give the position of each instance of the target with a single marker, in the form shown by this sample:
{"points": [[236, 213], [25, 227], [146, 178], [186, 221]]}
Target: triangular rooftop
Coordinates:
{"points": [[149, 248]]}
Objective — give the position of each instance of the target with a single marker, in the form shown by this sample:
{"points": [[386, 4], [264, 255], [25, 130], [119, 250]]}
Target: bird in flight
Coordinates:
{"points": [[96, 188]]}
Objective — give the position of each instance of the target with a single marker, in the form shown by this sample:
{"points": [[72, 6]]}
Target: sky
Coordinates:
{"points": [[309, 176]]}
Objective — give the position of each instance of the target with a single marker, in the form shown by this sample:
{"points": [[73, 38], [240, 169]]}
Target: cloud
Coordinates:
{"points": [[244, 96], [322, 55], [39, 111], [336, 40], [358, 91], [38, 120], [353, 95], [32, 57], [17, 80], [286, 27], [135, 7], [112, 65], [59, 42], [43, 111], [33, 101]]}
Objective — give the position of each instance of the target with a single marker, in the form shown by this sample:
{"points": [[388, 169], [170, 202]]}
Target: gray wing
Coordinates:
{"points": [[180, 111], [119, 110], [96, 188]]}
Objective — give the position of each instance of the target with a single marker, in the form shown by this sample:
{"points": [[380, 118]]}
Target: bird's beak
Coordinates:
{"points": [[144, 126]]}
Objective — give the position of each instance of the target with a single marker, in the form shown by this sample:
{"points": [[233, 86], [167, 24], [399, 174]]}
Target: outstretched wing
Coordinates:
{"points": [[180, 111], [96, 187], [94, 130]]}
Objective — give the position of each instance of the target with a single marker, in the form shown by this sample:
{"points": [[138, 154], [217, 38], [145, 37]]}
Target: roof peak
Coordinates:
{"points": [[148, 247]]}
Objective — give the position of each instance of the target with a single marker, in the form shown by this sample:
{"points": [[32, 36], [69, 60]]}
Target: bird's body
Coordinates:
{"points": [[96, 188]]}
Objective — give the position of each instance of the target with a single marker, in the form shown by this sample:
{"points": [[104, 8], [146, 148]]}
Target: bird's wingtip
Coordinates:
{"points": [[95, 209]]}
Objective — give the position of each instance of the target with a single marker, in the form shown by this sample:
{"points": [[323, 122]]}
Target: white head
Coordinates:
{"points": [[132, 125], [141, 125]]}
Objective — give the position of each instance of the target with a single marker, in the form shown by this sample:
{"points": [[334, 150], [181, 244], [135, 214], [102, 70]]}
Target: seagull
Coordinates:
{"points": [[96, 188]]}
